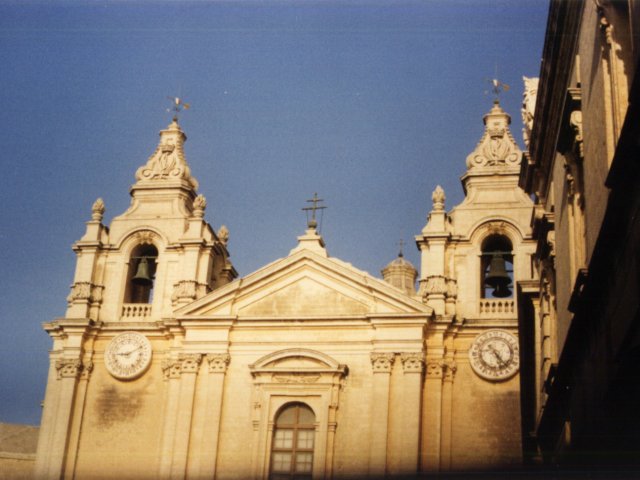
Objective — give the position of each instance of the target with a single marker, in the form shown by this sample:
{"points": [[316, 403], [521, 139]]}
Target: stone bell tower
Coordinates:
{"points": [[159, 254], [472, 258], [130, 277]]}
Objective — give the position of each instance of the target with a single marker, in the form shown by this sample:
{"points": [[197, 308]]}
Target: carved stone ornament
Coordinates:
{"points": [[436, 284], [434, 368], [68, 368], [218, 362], [382, 362], [452, 288], [295, 378], [145, 237], [497, 228], [190, 362], [412, 362], [438, 197], [199, 205], [449, 370], [184, 289], [223, 235], [528, 107], [168, 161], [497, 147], [85, 292], [575, 120], [97, 210], [171, 368], [86, 370]]}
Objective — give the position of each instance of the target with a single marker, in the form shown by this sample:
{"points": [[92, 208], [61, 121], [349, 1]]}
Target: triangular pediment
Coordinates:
{"points": [[305, 285]]}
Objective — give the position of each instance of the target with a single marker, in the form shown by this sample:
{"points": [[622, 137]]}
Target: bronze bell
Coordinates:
{"points": [[498, 278], [142, 276]]}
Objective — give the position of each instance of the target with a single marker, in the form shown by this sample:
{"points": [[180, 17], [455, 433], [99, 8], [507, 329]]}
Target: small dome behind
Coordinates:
{"points": [[401, 274]]}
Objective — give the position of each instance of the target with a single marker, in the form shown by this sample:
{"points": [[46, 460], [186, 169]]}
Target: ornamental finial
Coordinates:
{"points": [[438, 198], [97, 210]]}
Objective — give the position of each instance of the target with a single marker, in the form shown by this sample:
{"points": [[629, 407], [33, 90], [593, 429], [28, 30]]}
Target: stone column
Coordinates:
{"points": [[206, 432], [412, 366], [189, 366], [432, 417], [382, 363]]}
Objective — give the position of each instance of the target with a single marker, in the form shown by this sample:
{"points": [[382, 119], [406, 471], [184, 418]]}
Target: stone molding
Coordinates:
{"points": [[412, 362], [218, 362], [382, 362]]}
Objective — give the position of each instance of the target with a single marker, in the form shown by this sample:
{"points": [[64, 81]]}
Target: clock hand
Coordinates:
{"points": [[126, 354], [497, 355]]}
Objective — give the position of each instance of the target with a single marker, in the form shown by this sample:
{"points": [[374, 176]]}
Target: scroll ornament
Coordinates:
{"points": [[168, 161]]}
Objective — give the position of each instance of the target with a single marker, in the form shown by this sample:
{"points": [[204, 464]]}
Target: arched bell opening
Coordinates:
{"points": [[496, 267], [141, 275]]}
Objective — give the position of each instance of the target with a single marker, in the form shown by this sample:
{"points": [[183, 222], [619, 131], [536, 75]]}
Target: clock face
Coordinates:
{"points": [[128, 355], [494, 355]]}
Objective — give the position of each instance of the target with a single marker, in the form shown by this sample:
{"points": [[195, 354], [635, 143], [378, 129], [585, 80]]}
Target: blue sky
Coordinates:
{"points": [[369, 103]]}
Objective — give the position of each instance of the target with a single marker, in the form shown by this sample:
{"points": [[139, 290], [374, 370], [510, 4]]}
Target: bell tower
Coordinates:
{"points": [[159, 254], [130, 278], [472, 258]]}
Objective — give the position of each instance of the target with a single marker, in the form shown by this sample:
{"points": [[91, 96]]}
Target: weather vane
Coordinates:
{"points": [[315, 200], [496, 85], [178, 105]]}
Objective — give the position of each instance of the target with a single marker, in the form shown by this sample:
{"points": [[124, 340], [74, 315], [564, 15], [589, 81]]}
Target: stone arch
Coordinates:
{"points": [[496, 225], [139, 235], [301, 359]]}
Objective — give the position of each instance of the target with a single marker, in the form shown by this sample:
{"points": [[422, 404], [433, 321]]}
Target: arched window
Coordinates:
{"points": [[293, 441], [496, 267], [142, 270]]}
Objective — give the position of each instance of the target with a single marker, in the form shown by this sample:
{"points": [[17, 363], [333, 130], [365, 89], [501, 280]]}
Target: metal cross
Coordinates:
{"points": [[401, 243], [315, 200], [178, 105]]}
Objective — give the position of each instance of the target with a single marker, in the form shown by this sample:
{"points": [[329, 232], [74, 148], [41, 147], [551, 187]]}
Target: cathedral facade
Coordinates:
{"points": [[166, 365]]}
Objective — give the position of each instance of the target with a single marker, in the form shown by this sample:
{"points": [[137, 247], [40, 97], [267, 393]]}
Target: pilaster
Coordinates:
{"points": [[382, 364], [432, 415], [206, 431], [189, 366], [412, 369]]}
